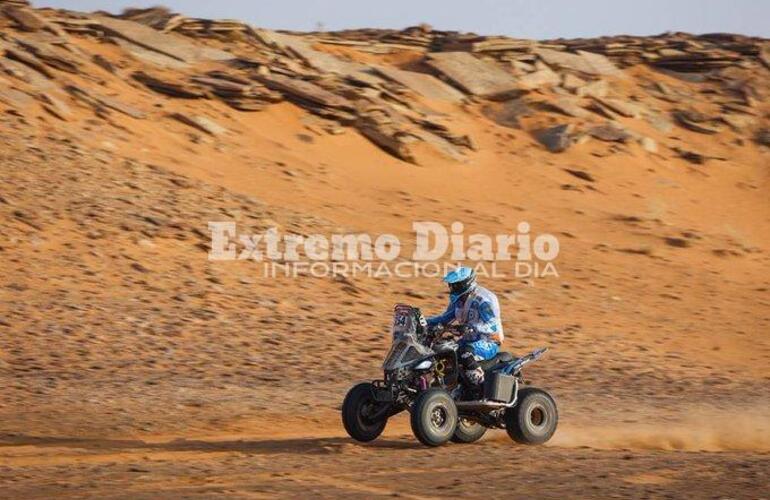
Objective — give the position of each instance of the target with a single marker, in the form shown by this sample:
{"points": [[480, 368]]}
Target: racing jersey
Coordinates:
{"points": [[478, 309]]}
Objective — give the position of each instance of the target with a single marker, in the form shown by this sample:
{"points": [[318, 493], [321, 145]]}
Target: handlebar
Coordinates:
{"points": [[447, 331]]}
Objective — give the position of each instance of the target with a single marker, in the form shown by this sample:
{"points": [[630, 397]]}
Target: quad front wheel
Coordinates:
{"points": [[434, 417], [359, 413], [533, 420]]}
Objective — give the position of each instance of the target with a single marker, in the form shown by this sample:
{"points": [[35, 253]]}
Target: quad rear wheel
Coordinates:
{"points": [[357, 411], [534, 418], [468, 431], [434, 417]]}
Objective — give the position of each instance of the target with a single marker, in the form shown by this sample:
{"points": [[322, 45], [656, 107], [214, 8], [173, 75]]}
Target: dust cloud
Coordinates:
{"points": [[740, 430]]}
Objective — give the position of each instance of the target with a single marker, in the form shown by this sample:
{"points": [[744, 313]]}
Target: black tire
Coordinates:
{"points": [[534, 418], [468, 432], [434, 417], [358, 402]]}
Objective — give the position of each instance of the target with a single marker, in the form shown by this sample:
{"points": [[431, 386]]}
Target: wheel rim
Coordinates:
{"points": [[537, 415], [365, 414], [366, 411], [439, 417], [538, 418], [464, 422]]}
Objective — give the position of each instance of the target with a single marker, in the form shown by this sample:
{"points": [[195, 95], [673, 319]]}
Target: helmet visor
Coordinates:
{"points": [[460, 286]]}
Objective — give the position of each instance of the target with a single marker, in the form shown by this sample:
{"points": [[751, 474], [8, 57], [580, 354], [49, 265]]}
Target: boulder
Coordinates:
{"points": [[619, 106], [473, 75], [25, 19], [201, 123], [556, 139], [610, 132], [697, 122], [588, 63], [544, 77], [168, 87], [572, 82], [569, 106], [426, 85], [596, 88], [172, 46], [507, 113]]}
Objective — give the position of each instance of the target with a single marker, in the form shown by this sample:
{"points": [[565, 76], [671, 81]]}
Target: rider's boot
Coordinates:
{"points": [[474, 380], [475, 376]]}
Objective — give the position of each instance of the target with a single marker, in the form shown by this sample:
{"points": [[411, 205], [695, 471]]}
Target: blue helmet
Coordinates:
{"points": [[460, 281]]}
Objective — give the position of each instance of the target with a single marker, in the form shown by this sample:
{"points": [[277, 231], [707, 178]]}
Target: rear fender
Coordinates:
{"points": [[517, 364]]}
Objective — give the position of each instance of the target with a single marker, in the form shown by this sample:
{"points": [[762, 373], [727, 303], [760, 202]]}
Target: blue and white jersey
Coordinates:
{"points": [[478, 309]]}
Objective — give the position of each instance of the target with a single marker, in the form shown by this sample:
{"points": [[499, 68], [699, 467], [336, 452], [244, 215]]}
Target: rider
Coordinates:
{"points": [[477, 310]]}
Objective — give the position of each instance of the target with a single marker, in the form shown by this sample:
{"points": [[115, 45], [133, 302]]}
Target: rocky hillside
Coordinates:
{"points": [[377, 82]]}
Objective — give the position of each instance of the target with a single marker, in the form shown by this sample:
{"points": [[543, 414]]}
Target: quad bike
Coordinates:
{"points": [[422, 375]]}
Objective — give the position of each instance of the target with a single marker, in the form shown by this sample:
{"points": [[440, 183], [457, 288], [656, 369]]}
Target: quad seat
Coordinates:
{"points": [[500, 357]]}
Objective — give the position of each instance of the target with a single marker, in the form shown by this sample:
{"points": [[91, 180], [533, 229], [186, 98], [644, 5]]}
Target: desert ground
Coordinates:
{"points": [[133, 366]]}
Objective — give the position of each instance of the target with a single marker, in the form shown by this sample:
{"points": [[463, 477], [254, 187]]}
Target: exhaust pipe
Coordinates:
{"points": [[481, 405]]}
